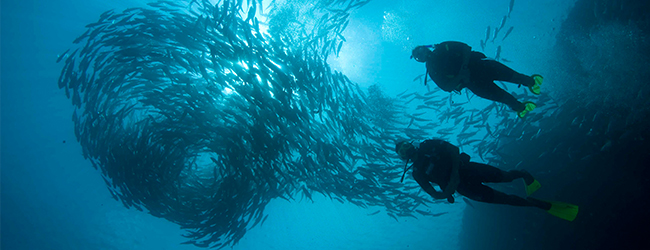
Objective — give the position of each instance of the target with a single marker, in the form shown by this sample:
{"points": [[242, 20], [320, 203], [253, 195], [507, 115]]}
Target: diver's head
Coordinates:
{"points": [[405, 150], [421, 53]]}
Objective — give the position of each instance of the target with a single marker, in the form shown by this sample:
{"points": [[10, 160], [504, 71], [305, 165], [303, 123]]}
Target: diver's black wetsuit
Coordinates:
{"points": [[433, 164], [447, 60]]}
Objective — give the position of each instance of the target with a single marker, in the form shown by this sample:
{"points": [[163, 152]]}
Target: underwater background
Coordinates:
{"points": [[271, 124]]}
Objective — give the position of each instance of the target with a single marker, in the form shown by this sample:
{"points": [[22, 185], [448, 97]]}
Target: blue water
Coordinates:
{"points": [[53, 199]]}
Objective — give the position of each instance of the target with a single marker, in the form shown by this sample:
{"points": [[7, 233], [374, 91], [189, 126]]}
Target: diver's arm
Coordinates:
{"points": [[454, 179], [427, 187]]}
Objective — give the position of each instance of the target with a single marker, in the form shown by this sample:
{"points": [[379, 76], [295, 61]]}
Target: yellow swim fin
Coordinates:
{"points": [[532, 187], [563, 210], [558, 209], [537, 87], [529, 107]]}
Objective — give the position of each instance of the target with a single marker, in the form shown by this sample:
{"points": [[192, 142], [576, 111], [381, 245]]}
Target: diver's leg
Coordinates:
{"points": [[516, 174], [485, 173], [500, 72], [539, 203], [522, 79], [482, 193], [489, 90], [513, 200]]}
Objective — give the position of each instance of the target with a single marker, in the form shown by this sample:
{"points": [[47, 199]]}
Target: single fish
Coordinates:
{"points": [[512, 4], [503, 22], [338, 50], [376, 212], [61, 56], [606, 147], [251, 13], [507, 33], [422, 212], [439, 214], [263, 220], [393, 216], [498, 55], [411, 122], [418, 77], [496, 33]]}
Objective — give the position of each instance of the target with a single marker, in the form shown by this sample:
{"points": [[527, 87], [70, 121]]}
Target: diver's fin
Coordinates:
{"points": [[537, 87], [558, 209], [530, 183], [532, 187], [563, 210], [529, 106]]}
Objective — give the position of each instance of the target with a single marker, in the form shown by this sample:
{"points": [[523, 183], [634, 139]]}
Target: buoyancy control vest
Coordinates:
{"points": [[448, 66]]}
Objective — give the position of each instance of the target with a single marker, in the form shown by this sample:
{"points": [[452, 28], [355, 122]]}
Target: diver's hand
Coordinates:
{"points": [[450, 199]]}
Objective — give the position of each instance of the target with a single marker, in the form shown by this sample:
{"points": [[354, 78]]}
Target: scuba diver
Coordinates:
{"points": [[440, 162], [454, 66]]}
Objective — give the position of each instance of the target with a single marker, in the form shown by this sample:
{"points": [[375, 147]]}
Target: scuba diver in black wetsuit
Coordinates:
{"points": [[440, 162], [454, 66]]}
